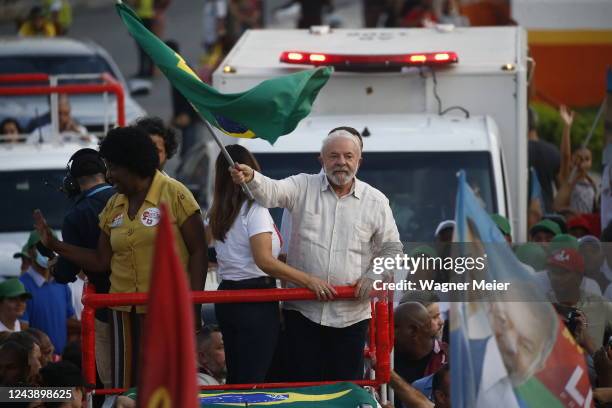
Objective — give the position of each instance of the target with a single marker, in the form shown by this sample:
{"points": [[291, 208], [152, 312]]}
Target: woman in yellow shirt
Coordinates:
{"points": [[127, 239]]}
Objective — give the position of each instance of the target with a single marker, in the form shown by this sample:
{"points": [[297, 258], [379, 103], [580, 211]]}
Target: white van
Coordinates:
{"points": [[457, 100]]}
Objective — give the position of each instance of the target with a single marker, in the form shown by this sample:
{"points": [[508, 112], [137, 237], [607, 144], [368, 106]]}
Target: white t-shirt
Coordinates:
{"points": [[76, 289], [17, 327], [234, 256]]}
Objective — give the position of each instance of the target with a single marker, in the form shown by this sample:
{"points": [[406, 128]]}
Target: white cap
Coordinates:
{"points": [[589, 239], [444, 225]]}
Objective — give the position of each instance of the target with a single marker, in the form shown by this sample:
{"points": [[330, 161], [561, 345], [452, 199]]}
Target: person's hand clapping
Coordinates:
{"points": [[45, 232], [241, 173]]}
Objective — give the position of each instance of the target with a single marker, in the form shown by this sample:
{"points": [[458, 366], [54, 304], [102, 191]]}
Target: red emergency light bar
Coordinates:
{"points": [[354, 62]]}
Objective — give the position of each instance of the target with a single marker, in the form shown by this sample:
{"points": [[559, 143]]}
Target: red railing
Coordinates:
{"points": [[381, 328], [109, 84]]}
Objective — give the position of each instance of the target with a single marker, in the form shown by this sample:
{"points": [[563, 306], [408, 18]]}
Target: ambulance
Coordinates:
{"points": [[428, 102]]}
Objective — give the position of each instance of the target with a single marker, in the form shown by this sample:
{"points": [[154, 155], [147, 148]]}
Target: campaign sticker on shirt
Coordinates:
{"points": [[150, 217], [117, 221]]}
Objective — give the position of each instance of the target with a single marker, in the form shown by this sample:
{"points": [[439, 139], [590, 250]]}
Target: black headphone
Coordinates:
{"points": [[70, 187]]}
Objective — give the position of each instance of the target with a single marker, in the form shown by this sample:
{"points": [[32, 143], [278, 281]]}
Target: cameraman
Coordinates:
{"points": [[86, 184]]}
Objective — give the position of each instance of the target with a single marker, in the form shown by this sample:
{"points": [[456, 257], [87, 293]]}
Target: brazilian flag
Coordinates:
{"points": [[271, 109], [340, 395]]}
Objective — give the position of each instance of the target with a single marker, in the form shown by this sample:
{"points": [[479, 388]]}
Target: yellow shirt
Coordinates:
{"points": [[133, 241], [145, 9], [28, 30]]}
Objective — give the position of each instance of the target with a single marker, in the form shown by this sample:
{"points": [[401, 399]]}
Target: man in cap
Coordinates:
{"points": [[566, 273], [504, 226], [87, 172], [13, 297], [591, 249], [579, 226], [559, 242], [544, 231], [532, 254], [25, 259], [50, 308], [444, 231]]}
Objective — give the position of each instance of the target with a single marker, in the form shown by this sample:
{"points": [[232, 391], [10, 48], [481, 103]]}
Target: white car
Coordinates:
{"points": [[65, 56]]}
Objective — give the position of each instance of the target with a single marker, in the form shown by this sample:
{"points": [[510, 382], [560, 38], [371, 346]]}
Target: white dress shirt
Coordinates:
{"points": [[334, 239]]}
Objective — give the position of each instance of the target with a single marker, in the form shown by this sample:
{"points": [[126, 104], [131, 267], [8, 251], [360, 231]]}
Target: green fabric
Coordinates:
{"points": [[502, 223], [340, 395], [532, 254], [546, 225], [12, 288], [535, 394], [564, 241], [269, 110], [130, 393]]}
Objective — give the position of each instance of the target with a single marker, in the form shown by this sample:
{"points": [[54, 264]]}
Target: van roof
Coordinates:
{"points": [[412, 132], [24, 156], [489, 48]]}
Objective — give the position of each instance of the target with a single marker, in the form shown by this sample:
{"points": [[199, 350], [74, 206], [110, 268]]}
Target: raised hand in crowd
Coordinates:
{"points": [[46, 234]]}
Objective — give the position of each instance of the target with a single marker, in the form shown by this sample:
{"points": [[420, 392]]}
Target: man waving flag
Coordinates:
{"points": [[267, 111]]}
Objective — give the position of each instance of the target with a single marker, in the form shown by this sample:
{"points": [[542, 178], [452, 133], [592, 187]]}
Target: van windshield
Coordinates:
{"points": [[421, 186], [24, 191]]}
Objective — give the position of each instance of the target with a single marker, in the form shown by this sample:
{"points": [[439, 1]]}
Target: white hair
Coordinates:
{"points": [[341, 133]]}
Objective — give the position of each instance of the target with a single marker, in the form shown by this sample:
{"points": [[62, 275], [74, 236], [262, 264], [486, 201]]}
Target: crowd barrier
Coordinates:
{"points": [[378, 349]]}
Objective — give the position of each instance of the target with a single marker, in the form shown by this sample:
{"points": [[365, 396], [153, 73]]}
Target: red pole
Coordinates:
{"points": [[13, 78], [92, 301], [217, 296], [110, 85], [88, 338], [391, 322], [120, 97], [372, 341], [383, 362]]}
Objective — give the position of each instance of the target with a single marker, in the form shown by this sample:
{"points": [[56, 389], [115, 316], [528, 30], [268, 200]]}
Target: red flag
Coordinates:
{"points": [[168, 370]]}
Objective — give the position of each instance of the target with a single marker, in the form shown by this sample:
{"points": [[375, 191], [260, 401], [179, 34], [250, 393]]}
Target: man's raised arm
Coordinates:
{"points": [[267, 192]]}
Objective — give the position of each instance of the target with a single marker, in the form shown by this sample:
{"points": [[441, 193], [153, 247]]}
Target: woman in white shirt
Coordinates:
{"points": [[247, 244]]}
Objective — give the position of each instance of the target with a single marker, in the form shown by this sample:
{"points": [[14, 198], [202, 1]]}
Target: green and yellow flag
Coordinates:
{"points": [[271, 109], [339, 395]]}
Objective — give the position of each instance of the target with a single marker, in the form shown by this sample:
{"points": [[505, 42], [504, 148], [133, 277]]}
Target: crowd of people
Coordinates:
{"points": [[335, 225], [335, 222]]}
